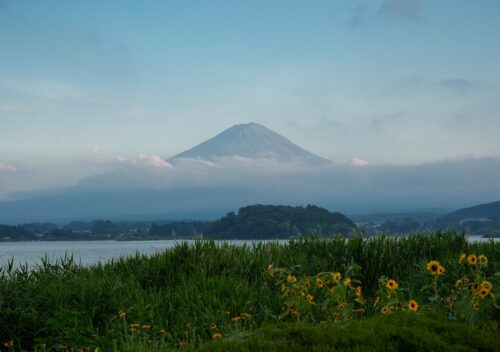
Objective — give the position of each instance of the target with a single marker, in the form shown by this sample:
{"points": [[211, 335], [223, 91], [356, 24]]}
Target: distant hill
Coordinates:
{"points": [[274, 222], [483, 219], [487, 210], [252, 141]]}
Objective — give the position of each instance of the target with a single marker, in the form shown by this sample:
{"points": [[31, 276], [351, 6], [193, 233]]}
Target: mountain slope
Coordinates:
{"points": [[252, 141], [488, 210]]}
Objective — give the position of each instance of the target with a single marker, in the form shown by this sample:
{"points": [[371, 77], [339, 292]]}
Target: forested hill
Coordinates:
{"points": [[273, 222], [489, 210]]}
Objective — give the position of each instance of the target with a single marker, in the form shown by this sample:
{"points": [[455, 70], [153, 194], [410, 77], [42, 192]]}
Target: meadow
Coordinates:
{"points": [[414, 293]]}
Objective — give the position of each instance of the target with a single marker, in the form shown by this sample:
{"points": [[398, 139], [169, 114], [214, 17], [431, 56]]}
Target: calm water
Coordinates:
{"points": [[84, 252], [91, 252]]}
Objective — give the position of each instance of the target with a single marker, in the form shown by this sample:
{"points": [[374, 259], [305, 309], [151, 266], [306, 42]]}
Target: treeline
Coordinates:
{"points": [[269, 221], [251, 222]]}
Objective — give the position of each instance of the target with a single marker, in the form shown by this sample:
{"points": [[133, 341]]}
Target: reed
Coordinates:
{"points": [[186, 289]]}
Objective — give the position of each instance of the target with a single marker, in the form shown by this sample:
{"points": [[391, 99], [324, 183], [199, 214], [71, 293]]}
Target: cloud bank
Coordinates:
{"points": [[147, 187]]}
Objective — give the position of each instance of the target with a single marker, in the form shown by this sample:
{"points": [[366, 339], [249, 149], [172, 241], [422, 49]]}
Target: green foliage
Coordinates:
{"points": [[192, 286], [395, 332]]}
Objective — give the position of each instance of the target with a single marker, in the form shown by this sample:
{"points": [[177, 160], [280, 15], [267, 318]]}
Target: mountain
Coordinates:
{"points": [[488, 210], [482, 219], [251, 141]]}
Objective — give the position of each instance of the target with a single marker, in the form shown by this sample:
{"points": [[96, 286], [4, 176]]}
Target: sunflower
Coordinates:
{"points": [[347, 282], [433, 267], [466, 280], [484, 292], [458, 283], [337, 277], [237, 318], [358, 291], [385, 310], [487, 285], [9, 344], [472, 259], [461, 259], [412, 306], [309, 298], [213, 326], [392, 284], [291, 278], [217, 336], [476, 288], [440, 270], [269, 267], [475, 306], [342, 305], [320, 283], [483, 259]]}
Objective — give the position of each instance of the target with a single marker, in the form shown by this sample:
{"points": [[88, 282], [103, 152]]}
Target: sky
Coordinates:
{"points": [[388, 81]]}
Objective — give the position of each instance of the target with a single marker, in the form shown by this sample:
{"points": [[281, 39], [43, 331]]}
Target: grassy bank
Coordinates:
{"points": [[178, 296]]}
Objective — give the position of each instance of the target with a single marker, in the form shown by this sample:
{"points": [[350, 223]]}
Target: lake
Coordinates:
{"points": [[92, 252]]}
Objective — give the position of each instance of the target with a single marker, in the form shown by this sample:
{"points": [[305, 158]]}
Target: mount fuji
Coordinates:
{"points": [[253, 141]]}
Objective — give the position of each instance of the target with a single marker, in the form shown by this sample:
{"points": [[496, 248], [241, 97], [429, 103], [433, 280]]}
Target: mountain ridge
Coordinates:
{"points": [[251, 140]]}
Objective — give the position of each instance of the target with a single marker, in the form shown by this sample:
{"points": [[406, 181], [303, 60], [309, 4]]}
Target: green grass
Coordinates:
{"points": [[189, 287]]}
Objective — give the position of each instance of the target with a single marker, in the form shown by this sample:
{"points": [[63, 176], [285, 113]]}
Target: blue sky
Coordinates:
{"points": [[394, 81]]}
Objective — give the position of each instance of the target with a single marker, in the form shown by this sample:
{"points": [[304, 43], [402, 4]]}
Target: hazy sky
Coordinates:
{"points": [[394, 81]]}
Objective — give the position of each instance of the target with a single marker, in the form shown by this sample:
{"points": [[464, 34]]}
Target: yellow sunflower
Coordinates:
{"points": [[385, 310], [217, 336], [484, 292], [337, 277], [309, 298], [476, 288], [433, 267], [475, 306], [392, 284], [440, 270], [358, 291], [320, 283], [347, 282], [466, 280], [412, 306], [472, 259], [483, 259], [458, 283], [461, 259], [213, 326], [487, 285], [291, 279]]}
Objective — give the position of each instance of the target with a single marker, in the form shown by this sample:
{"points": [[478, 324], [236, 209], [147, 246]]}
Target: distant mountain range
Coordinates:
{"points": [[250, 164], [483, 219], [251, 141]]}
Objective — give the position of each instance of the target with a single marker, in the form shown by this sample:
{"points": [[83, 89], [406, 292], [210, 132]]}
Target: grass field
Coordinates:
{"points": [[222, 297]]}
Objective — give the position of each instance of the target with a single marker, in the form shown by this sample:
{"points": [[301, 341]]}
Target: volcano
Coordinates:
{"points": [[252, 141]]}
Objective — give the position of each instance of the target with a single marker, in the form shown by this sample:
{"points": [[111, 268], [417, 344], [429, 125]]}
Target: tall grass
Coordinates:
{"points": [[189, 287]]}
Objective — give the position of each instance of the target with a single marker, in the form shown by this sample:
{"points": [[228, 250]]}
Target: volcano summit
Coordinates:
{"points": [[252, 141]]}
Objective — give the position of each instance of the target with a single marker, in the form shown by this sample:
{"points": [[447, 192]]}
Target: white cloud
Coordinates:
{"points": [[10, 169], [154, 160], [358, 162]]}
